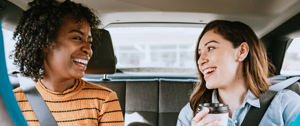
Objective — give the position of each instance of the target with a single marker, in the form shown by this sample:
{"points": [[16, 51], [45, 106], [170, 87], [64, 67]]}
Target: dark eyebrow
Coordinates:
{"points": [[211, 42], [80, 32], [208, 43]]}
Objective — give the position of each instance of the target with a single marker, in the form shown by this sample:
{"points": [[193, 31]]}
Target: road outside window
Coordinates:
{"points": [[291, 63]]}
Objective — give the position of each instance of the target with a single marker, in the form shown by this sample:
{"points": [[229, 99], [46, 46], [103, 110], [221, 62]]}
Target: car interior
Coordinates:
{"points": [[154, 95]]}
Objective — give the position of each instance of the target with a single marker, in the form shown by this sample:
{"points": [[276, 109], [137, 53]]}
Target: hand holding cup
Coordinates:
{"points": [[211, 114], [199, 120]]}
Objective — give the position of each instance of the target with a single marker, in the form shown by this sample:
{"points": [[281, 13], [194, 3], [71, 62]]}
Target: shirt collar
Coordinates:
{"points": [[250, 99], [77, 83]]}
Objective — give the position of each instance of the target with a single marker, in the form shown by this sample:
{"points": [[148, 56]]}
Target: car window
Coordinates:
{"points": [[292, 58], [155, 47], [9, 44]]}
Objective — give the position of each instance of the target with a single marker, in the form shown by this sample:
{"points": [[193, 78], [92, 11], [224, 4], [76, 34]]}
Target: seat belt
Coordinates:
{"points": [[254, 114], [284, 84], [36, 102]]}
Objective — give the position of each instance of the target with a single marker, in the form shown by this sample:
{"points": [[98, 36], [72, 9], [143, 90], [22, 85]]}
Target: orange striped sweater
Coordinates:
{"points": [[83, 104]]}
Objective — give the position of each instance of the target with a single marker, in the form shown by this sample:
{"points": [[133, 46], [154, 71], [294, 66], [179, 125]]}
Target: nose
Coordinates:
{"points": [[202, 59], [86, 48]]}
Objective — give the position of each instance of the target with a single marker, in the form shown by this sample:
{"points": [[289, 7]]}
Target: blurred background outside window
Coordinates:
{"points": [[155, 47], [291, 63]]}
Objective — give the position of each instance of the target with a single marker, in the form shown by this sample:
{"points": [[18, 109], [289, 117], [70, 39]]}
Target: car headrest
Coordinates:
{"points": [[103, 60]]}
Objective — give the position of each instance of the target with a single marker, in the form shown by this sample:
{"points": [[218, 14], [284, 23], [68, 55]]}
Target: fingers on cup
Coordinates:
{"points": [[210, 121], [199, 116], [214, 123]]}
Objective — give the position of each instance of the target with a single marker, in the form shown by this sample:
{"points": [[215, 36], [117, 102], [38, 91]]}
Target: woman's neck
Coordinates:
{"points": [[58, 85], [233, 95]]}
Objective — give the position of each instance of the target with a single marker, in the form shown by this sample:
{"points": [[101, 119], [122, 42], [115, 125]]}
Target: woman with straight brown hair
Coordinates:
{"points": [[233, 69]]}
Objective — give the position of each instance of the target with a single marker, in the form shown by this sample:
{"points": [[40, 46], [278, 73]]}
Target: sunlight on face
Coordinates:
{"points": [[218, 60]]}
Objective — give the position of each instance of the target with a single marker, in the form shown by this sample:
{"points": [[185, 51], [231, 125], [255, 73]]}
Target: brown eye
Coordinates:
{"points": [[77, 38], [210, 48]]}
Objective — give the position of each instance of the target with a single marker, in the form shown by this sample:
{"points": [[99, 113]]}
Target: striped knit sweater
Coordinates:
{"points": [[83, 104]]}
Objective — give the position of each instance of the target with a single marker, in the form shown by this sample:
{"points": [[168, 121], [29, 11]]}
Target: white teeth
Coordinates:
{"points": [[81, 61], [209, 70], [82, 65]]}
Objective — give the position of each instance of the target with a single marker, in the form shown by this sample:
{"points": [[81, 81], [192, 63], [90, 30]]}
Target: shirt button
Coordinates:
{"points": [[235, 121]]}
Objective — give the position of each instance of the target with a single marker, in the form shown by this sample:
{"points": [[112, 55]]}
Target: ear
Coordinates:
{"points": [[46, 50], [243, 51]]}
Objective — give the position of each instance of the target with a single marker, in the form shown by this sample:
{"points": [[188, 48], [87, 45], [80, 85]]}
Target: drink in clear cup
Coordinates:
{"points": [[216, 109]]}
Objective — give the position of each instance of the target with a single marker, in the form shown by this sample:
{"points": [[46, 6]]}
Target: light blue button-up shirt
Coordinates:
{"points": [[282, 111]]}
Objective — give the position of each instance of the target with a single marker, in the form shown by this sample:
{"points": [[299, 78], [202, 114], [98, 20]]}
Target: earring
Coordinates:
{"points": [[41, 72], [240, 59]]}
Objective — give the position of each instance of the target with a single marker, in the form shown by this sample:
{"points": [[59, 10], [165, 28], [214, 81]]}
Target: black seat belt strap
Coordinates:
{"points": [[36, 102], [254, 114]]}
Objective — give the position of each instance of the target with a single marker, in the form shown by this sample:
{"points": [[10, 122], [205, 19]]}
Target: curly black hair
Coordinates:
{"points": [[38, 27]]}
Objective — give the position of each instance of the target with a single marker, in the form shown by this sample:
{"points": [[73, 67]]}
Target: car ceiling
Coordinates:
{"points": [[262, 15]]}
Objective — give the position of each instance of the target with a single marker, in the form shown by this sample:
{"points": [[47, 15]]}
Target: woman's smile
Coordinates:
{"points": [[207, 72], [207, 75], [80, 63]]}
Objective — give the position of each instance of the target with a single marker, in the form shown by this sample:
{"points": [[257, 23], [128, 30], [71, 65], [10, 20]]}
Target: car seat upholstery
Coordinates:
{"points": [[150, 102], [173, 95], [141, 103], [295, 87]]}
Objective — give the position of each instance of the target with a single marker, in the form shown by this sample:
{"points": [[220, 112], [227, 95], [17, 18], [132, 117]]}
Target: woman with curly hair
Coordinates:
{"points": [[233, 68], [54, 44]]}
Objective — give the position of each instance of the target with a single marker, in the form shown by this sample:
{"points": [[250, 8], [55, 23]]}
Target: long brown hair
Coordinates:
{"points": [[256, 66]]}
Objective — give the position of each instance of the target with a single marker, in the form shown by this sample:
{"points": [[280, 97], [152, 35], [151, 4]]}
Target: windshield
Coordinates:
{"points": [[155, 48]]}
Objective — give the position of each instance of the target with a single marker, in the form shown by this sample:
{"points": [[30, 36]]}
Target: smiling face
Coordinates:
{"points": [[72, 51], [218, 60]]}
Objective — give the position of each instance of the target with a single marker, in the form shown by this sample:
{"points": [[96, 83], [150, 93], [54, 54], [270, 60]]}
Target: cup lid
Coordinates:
{"points": [[214, 107]]}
